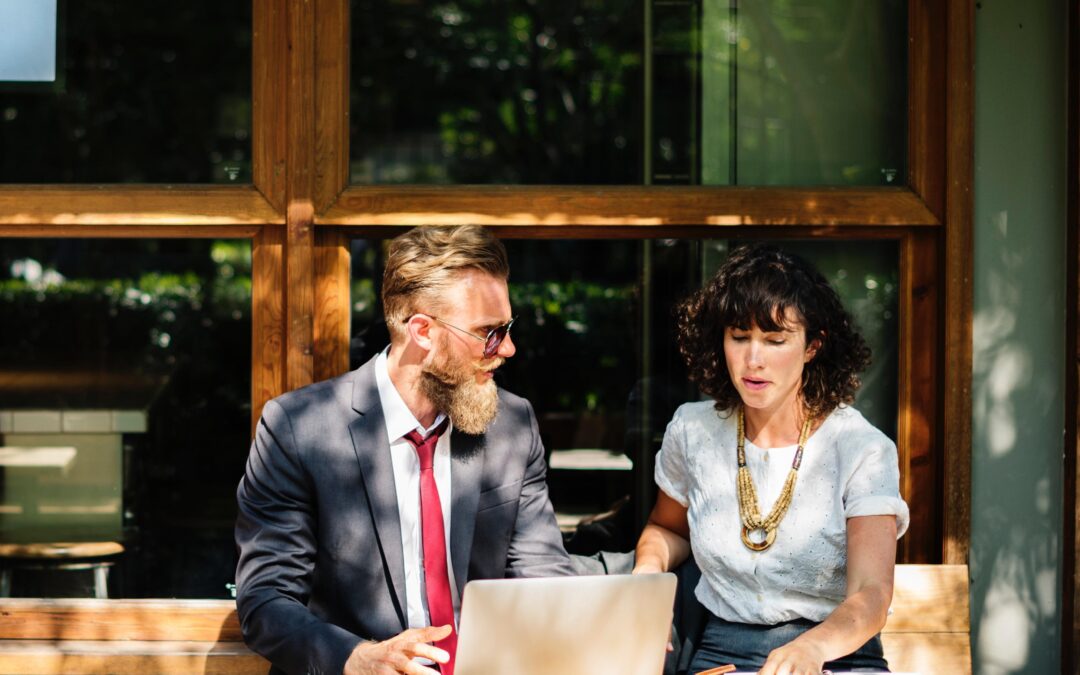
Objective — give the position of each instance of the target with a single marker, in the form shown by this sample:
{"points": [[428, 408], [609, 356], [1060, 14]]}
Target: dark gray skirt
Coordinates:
{"points": [[748, 645]]}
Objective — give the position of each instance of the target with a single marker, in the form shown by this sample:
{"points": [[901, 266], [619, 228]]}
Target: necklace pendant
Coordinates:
{"points": [[758, 539]]}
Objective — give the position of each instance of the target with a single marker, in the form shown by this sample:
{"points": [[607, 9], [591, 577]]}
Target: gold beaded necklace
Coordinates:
{"points": [[759, 534]]}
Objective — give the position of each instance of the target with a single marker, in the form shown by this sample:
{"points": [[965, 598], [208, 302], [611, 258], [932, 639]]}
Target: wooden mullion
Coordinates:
{"points": [[269, 85], [269, 89], [332, 303], [267, 318], [332, 101], [926, 102], [331, 266], [300, 297], [300, 189], [957, 274], [919, 394], [299, 100], [645, 206]]}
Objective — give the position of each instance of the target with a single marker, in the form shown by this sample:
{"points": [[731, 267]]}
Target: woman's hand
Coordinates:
{"points": [[647, 568], [871, 550], [794, 658]]}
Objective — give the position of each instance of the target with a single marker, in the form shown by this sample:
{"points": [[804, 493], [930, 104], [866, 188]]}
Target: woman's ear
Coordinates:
{"points": [[814, 347]]}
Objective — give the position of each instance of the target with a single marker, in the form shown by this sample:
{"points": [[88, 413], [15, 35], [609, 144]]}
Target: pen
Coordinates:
{"points": [[719, 670]]}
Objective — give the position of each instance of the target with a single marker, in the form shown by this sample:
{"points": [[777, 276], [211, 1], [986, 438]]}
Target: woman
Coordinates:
{"points": [[788, 497]]}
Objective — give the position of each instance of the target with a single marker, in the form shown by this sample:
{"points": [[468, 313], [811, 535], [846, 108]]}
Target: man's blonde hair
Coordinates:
{"points": [[423, 263]]}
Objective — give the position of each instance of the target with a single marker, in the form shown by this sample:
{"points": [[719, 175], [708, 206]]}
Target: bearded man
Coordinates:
{"points": [[370, 499]]}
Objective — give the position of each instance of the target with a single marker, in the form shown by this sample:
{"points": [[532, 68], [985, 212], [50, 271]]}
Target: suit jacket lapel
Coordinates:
{"points": [[466, 465], [372, 449]]}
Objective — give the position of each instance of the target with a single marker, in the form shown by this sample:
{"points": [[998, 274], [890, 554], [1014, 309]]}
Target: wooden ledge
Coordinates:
{"points": [[627, 205], [179, 206]]}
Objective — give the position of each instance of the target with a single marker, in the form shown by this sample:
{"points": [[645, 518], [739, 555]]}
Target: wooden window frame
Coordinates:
{"points": [[300, 211]]}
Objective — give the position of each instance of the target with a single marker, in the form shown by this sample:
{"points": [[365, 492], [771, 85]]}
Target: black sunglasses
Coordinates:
{"points": [[492, 341]]}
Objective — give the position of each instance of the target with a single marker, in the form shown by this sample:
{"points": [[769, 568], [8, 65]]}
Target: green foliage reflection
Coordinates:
{"points": [[511, 92], [576, 345]]}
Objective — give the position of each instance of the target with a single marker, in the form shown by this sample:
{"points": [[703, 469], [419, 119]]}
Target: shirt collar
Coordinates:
{"points": [[399, 419]]}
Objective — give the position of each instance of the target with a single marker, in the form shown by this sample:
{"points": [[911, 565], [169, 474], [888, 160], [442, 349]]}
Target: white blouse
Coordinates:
{"points": [[849, 468]]}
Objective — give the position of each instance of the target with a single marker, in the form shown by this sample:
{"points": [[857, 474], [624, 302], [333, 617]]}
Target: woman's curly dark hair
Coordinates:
{"points": [[756, 286]]}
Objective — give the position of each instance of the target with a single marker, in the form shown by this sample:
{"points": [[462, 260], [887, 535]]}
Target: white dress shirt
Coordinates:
{"points": [[849, 469], [400, 421]]}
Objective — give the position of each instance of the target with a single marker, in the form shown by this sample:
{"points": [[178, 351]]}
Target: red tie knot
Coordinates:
{"points": [[425, 447]]}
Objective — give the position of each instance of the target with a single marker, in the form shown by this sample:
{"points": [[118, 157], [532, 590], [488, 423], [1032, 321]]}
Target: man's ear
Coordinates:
{"points": [[419, 329]]}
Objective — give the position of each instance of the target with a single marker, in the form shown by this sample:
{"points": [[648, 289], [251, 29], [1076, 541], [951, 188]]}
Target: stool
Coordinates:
{"points": [[89, 555]]}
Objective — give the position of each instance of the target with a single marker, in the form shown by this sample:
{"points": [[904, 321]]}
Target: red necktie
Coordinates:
{"points": [[433, 533]]}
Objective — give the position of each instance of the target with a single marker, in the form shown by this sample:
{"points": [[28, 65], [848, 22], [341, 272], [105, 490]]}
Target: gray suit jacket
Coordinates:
{"points": [[321, 565]]}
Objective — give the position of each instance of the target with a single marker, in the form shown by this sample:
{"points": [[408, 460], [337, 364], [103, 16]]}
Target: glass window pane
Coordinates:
{"points": [[125, 407], [776, 92], [596, 356], [145, 92], [801, 92], [506, 92]]}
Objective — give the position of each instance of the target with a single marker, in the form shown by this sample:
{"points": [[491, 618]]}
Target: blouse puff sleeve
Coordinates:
{"points": [[671, 472], [873, 488]]}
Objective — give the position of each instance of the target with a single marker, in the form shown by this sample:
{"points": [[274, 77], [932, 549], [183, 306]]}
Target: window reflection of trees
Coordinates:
{"points": [[143, 95], [509, 92], [777, 92]]}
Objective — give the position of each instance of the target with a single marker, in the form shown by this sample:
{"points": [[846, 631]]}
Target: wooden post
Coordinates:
{"points": [[332, 310], [270, 35], [300, 98], [919, 392], [958, 271]]}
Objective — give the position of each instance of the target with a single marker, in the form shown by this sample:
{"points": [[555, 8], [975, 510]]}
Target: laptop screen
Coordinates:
{"points": [[566, 625]]}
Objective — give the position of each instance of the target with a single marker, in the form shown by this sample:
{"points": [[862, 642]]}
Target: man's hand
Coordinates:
{"points": [[396, 654]]}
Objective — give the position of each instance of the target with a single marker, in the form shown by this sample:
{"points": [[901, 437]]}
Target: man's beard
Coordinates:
{"points": [[451, 385]]}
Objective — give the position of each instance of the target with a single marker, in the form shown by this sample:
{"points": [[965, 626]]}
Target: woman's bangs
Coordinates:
{"points": [[758, 304]]}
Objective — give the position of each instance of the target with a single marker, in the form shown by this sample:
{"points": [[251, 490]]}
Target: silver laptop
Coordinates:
{"points": [[588, 625]]}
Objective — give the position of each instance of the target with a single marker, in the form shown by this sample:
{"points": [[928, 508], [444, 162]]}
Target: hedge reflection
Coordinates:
{"points": [[158, 325]]}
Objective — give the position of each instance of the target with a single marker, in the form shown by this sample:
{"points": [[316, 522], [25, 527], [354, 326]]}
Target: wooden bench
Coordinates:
{"points": [[927, 632], [122, 637], [929, 628]]}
